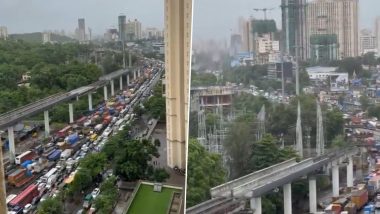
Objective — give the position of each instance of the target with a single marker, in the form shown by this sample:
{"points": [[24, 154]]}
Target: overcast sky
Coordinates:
{"points": [[22, 16], [212, 18]]}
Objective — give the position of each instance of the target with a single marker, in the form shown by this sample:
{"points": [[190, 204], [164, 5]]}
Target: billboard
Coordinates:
{"points": [[339, 82]]}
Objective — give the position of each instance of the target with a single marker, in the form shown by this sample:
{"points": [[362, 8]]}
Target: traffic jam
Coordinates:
{"points": [[43, 171]]}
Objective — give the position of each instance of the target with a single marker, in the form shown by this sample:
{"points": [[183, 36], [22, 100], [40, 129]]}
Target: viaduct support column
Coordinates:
{"points": [[121, 83], [90, 101], [313, 194], [12, 147], [71, 112], [287, 198], [3, 195], [350, 172], [112, 88], [105, 93], [46, 120], [134, 74], [128, 80], [256, 205], [335, 179]]}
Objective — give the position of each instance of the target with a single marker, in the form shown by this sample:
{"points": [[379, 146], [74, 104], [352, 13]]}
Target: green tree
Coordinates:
{"points": [[50, 206], [338, 142], [160, 175], [365, 102], [205, 170]]}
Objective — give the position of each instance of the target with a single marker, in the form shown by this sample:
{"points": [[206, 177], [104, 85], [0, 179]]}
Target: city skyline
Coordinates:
{"points": [[65, 15], [224, 25]]}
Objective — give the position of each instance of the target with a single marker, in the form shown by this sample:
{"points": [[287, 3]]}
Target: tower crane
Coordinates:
{"points": [[264, 10]]}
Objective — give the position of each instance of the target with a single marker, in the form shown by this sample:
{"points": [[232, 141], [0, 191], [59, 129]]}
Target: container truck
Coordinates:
{"points": [[98, 127], [55, 155], [66, 154], [28, 155], [359, 198], [25, 197]]}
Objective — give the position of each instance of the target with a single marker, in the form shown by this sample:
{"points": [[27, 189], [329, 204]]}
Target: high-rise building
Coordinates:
{"points": [[235, 44], [294, 27], [122, 32], [152, 33], [178, 27], [3, 32], [334, 17], [368, 41], [81, 33], [133, 30], [245, 31], [377, 33], [46, 37]]}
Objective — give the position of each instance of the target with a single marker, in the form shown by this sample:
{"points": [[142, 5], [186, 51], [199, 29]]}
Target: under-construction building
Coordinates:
{"points": [[212, 97], [294, 27]]}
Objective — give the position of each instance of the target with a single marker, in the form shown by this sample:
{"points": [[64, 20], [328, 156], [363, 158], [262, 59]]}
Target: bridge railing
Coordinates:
{"points": [[224, 190]]}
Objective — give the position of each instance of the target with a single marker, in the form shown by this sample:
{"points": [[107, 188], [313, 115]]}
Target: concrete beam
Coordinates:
{"points": [[225, 190], [287, 198], [255, 204], [335, 180], [90, 102], [350, 172], [71, 112], [12, 146], [112, 88], [312, 194], [121, 83], [46, 121], [105, 93]]}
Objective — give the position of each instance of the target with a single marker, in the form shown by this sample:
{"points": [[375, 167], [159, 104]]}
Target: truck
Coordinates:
{"points": [[27, 196], [40, 165], [107, 120], [46, 177], [98, 127], [28, 155], [55, 155], [359, 198], [20, 177], [63, 132], [73, 138], [66, 154]]}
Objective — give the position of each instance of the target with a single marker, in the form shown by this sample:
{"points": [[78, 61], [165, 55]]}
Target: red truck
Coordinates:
{"points": [[107, 120], [20, 177], [25, 197]]}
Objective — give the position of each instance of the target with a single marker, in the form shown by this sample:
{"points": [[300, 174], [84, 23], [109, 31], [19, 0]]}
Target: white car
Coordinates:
{"points": [[28, 208], [95, 193]]}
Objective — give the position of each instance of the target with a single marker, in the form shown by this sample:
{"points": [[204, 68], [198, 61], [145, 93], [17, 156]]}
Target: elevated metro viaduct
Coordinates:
{"points": [[11, 118], [254, 185]]}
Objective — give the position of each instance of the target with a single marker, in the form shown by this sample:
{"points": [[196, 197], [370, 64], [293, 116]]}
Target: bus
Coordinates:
{"points": [[46, 177], [63, 132], [28, 155]]}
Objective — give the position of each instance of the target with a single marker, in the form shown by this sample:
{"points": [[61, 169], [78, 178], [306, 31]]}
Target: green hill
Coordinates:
{"points": [[37, 37]]}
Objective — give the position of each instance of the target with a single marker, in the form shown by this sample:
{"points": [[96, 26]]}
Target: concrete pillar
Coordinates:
{"points": [[134, 74], [256, 205], [47, 126], [105, 93], [112, 88], [350, 172], [90, 101], [3, 195], [287, 198], [12, 147], [313, 194], [335, 180], [71, 112], [121, 83], [128, 79]]}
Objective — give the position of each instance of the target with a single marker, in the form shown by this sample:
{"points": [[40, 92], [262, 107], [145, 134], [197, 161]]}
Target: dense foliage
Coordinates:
{"points": [[52, 68], [205, 170], [155, 106], [107, 197], [50, 206]]}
